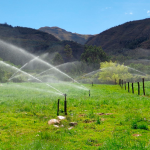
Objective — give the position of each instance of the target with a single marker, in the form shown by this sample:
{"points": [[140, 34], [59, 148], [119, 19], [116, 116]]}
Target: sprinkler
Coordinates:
{"points": [[89, 93], [65, 104]]}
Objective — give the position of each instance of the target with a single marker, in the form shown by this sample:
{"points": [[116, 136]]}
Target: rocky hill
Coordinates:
{"points": [[129, 39], [62, 34]]}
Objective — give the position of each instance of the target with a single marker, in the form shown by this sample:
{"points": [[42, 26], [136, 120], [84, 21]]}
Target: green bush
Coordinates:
{"points": [[139, 125]]}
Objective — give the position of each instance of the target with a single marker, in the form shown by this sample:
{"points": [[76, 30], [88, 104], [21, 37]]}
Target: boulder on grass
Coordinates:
{"points": [[70, 128], [53, 121], [61, 117], [56, 126]]}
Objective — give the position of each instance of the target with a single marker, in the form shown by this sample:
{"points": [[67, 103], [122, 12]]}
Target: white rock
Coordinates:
{"points": [[70, 128], [62, 125], [56, 126], [53, 121], [61, 117]]}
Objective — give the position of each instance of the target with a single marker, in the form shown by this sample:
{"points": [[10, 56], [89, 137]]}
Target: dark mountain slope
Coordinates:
{"points": [[29, 39], [62, 34], [124, 38], [36, 42]]}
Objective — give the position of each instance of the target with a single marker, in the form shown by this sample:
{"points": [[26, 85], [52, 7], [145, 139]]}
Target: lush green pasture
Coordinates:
{"points": [[111, 118]]}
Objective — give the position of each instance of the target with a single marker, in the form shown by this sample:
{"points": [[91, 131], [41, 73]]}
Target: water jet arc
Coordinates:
{"points": [[30, 76], [21, 68]]}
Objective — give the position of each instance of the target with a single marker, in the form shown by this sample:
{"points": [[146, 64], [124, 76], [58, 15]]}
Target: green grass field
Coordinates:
{"points": [[111, 118]]}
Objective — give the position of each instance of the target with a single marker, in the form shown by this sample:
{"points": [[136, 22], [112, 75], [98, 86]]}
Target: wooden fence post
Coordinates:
{"points": [[65, 105], [132, 88], [143, 86], [138, 88], [58, 107]]}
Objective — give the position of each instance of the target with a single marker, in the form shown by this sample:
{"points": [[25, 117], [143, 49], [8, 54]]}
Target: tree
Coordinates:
{"points": [[57, 59], [111, 71], [68, 52], [93, 55]]}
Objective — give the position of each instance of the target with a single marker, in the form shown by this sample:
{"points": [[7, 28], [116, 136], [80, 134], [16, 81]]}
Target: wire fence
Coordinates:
{"points": [[139, 88]]}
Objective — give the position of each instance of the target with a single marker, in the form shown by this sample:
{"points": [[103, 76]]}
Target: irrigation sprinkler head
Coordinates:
{"points": [[65, 96]]}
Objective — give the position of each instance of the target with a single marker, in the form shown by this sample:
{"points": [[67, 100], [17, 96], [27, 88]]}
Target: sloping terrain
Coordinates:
{"points": [[131, 37], [27, 38], [37, 42], [62, 34]]}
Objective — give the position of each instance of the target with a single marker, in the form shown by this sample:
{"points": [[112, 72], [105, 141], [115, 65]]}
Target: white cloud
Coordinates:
{"points": [[148, 11], [130, 13]]}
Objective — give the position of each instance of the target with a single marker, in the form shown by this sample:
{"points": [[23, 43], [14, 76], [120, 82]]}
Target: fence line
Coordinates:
{"points": [[121, 83]]}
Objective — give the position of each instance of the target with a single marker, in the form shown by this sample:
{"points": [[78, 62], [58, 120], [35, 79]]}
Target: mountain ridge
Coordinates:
{"points": [[36, 42], [133, 35], [62, 34]]}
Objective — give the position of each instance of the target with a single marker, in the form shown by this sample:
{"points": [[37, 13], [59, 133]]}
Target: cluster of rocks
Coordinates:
{"points": [[56, 122]]}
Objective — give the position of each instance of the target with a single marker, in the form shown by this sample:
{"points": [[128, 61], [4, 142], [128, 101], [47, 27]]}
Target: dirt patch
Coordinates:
{"points": [[104, 114], [136, 135], [81, 115], [99, 144], [88, 121], [102, 119]]}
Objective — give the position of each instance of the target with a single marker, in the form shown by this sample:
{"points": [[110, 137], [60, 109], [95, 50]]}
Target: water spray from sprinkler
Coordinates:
{"points": [[21, 68], [31, 76], [53, 67]]}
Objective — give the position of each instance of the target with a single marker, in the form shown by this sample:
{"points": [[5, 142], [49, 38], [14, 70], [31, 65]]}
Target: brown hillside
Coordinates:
{"points": [[62, 34], [124, 38]]}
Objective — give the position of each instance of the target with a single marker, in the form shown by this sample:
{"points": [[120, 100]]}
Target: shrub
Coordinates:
{"points": [[140, 125], [143, 125], [98, 120], [134, 125]]}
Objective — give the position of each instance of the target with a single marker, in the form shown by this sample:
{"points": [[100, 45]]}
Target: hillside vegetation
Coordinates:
{"points": [[36, 42], [62, 34], [130, 39]]}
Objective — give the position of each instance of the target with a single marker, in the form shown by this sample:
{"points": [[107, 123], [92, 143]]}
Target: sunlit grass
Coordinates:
{"points": [[111, 118]]}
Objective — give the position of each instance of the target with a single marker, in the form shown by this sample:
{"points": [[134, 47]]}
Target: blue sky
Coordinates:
{"points": [[77, 16]]}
